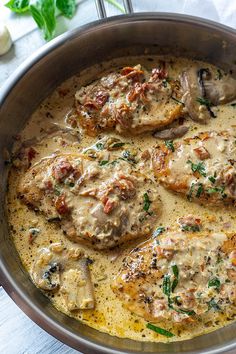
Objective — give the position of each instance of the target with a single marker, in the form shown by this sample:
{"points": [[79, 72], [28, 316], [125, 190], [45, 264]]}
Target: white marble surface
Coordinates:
{"points": [[18, 334]]}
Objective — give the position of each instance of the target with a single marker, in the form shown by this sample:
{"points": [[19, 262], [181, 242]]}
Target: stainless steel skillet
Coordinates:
{"points": [[150, 33]]}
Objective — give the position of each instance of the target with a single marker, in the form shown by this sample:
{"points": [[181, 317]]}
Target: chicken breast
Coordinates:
{"points": [[183, 274], [201, 168], [97, 196], [131, 100]]}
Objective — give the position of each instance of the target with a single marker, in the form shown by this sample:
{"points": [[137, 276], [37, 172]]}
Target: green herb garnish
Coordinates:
{"points": [[166, 285], [44, 12], [192, 228], [99, 146], [103, 162], [233, 104], [169, 145], [198, 167], [57, 190], [175, 270], [203, 101], [147, 202], [160, 330], [207, 103], [212, 179], [117, 145], [199, 190], [158, 231], [176, 100], [219, 76], [213, 305], [214, 283]]}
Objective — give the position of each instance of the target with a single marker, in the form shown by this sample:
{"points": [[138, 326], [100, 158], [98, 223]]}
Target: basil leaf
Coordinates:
{"points": [[160, 330], [214, 283], [18, 6], [36, 14], [43, 13], [198, 167], [100, 146], [203, 101], [212, 179], [199, 190], [147, 202], [158, 231], [193, 228], [67, 7], [175, 270], [213, 305], [103, 162], [166, 285], [169, 145], [48, 13], [117, 145]]}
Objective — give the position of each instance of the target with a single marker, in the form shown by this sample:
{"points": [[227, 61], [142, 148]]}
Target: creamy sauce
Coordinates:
{"points": [[109, 315]]}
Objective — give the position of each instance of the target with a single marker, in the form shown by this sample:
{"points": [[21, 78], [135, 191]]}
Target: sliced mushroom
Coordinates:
{"points": [[172, 133], [65, 270], [201, 91], [78, 288], [192, 91]]}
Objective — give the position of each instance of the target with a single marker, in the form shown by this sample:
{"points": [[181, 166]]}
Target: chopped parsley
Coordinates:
{"points": [[169, 145], [160, 330], [198, 192], [198, 167], [214, 283], [158, 231], [147, 202]]}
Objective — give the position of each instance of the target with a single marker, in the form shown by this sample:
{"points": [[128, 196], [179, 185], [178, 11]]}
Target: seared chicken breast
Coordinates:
{"points": [[183, 274], [96, 196], [131, 100], [202, 168]]}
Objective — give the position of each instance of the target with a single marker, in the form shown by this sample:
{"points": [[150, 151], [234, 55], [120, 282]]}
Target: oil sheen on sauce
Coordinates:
{"points": [[108, 316]]}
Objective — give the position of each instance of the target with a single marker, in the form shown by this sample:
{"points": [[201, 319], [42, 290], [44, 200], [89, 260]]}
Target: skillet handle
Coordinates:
{"points": [[101, 10]]}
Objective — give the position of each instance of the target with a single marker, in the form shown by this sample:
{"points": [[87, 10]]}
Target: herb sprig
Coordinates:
{"points": [[44, 12], [159, 330]]}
